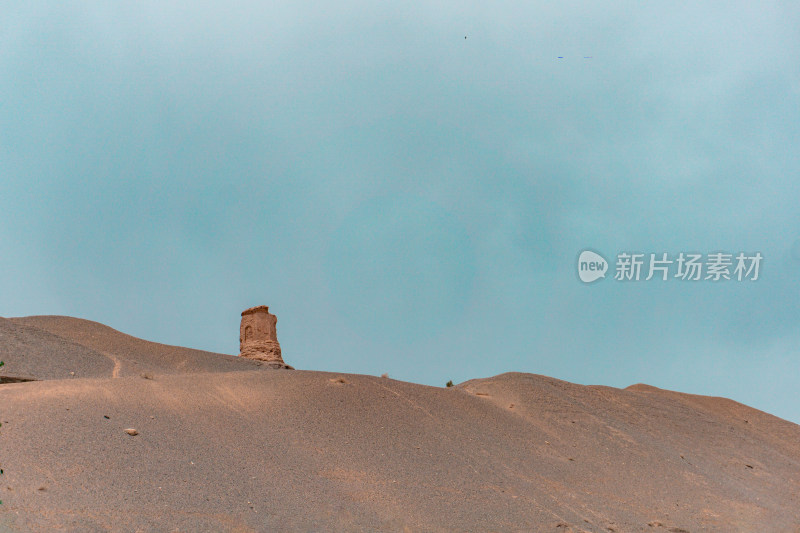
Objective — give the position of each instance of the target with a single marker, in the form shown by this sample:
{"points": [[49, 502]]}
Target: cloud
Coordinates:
{"points": [[383, 183]]}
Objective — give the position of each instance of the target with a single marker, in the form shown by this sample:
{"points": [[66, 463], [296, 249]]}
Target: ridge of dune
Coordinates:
{"points": [[126, 354], [31, 353], [83, 331]]}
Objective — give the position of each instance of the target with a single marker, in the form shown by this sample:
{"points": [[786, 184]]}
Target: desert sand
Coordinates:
{"points": [[226, 444]]}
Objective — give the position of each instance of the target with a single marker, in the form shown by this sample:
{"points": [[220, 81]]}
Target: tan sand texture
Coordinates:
{"points": [[220, 444], [57, 347]]}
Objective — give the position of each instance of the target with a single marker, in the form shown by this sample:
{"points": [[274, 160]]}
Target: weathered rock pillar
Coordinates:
{"points": [[258, 338]]}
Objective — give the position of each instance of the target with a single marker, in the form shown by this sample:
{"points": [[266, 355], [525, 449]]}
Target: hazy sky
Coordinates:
{"points": [[407, 200]]}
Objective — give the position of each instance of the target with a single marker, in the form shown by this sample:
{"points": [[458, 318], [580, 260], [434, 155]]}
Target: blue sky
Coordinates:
{"points": [[407, 200]]}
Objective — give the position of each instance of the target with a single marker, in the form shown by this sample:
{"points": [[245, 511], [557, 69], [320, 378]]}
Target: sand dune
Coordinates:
{"points": [[57, 347], [265, 450]]}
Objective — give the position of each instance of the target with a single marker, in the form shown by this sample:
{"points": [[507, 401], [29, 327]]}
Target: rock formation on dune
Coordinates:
{"points": [[123, 434], [258, 338]]}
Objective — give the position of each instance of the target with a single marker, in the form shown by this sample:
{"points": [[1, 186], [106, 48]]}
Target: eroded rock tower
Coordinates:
{"points": [[258, 338]]}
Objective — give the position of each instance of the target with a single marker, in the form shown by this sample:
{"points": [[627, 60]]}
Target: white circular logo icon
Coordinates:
{"points": [[591, 266]]}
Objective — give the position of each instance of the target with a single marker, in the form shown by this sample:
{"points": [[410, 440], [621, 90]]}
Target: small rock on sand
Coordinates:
{"points": [[131, 431]]}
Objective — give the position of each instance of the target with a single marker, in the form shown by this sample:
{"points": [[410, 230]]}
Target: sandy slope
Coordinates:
{"points": [[57, 347], [272, 450]]}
